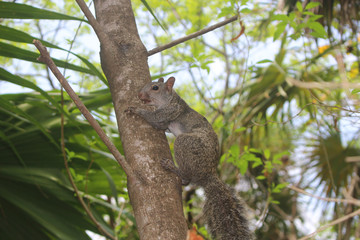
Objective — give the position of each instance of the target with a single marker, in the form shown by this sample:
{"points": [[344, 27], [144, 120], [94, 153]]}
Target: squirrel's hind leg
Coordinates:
{"points": [[169, 165]]}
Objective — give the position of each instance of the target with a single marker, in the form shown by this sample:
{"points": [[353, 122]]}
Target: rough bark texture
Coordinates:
{"points": [[155, 194]]}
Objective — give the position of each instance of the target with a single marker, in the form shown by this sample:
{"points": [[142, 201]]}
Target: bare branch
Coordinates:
{"points": [[349, 201], [191, 36], [104, 39], [337, 221], [330, 224], [321, 85], [282, 122], [45, 57], [352, 159]]}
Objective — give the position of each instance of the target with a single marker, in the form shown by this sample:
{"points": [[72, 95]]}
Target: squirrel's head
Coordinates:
{"points": [[158, 93]]}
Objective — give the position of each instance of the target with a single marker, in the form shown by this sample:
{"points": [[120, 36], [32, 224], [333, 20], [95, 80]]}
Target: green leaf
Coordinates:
{"points": [[267, 153], [223, 157], [13, 148], [9, 77], [241, 129], [50, 179], [189, 59], [312, 5], [280, 28], [308, 13], [278, 188], [94, 69], [19, 113], [225, 11], [234, 150], [59, 219], [318, 28], [152, 13], [269, 166], [278, 156], [264, 61], [254, 150], [19, 36], [243, 166], [292, 17], [155, 77], [314, 18], [280, 17], [257, 163], [111, 184], [261, 177], [8, 50], [5, 75], [295, 36], [246, 10], [23, 11], [249, 157], [355, 91], [243, 2], [299, 6]]}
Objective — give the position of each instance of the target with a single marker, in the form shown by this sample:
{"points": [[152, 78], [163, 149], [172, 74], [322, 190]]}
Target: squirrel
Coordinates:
{"points": [[196, 151]]}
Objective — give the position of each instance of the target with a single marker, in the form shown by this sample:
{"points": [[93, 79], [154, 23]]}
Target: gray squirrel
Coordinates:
{"points": [[196, 150]]}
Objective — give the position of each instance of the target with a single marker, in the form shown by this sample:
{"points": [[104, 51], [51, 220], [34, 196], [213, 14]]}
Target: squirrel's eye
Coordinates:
{"points": [[155, 87]]}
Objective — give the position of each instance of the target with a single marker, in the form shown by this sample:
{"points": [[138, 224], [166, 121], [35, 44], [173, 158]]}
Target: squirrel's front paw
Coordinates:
{"points": [[130, 110], [168, 164]]}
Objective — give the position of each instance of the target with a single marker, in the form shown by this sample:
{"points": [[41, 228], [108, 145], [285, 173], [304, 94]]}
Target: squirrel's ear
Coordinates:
{"points": [[170, 83], [161, 80]]}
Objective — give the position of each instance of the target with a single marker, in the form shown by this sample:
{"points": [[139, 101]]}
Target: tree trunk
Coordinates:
{"points": [[155, 194]]}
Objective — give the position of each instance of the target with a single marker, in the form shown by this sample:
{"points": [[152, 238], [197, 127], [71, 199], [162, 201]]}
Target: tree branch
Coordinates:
{"points": [[45, 58], [321, 85], [192, 35], [337, 221], [349, 201], [103, 37]]}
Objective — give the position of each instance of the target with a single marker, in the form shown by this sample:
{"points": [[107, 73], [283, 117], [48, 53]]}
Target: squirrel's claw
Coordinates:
{"points": [[130, 110], [168, 164]]}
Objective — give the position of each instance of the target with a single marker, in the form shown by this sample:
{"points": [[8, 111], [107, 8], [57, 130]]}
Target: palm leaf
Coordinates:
{"points": [[15, 35], [23, 11], [10, 51], [152, 13]]}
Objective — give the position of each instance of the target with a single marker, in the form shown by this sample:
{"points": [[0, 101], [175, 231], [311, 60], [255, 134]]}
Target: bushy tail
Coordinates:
{"points": [[225, 214]]}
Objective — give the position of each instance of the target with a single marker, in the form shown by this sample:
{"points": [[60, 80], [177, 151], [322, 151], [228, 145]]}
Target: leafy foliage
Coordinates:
{"points": [[37, 200]]}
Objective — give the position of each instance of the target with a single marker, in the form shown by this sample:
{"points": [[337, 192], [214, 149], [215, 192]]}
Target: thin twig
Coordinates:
{"points": [[45, 57], [282, 122], [81, 200], [117, 221], [42, 37], [321, 85], [191, 36], [264, 212], [103, 37], [330, 224], [349, 201]]}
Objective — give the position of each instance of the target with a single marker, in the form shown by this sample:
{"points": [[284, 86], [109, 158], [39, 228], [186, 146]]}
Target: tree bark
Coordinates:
{"points": [[155, 194]]}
